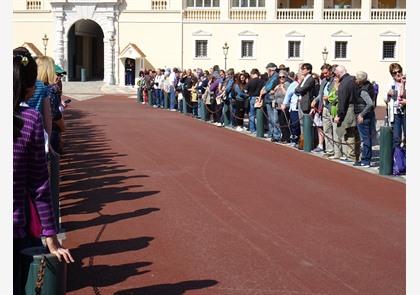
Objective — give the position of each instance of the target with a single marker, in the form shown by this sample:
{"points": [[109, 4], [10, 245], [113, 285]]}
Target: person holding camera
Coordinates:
{"points": [[396, 103]]}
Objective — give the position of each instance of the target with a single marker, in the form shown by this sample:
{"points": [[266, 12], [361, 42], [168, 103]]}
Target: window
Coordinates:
{"points": [[200, 48], [294, 49], [388, 49], [248, 3], [340, 49], [247, 49], [203, 3]]}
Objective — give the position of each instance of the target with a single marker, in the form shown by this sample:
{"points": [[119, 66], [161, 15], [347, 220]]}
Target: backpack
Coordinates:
{"points": [[399, 167]]}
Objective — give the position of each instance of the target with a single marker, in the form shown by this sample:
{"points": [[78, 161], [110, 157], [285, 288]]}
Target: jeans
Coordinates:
{"points": [[365, 132], [252, 126], [200, 113], [294, 126], [327, 123], [398, 129], [273, 118], [172, 98]]}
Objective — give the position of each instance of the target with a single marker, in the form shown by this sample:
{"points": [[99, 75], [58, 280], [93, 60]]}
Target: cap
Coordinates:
{"points": [[271, 65], [59, 70]]}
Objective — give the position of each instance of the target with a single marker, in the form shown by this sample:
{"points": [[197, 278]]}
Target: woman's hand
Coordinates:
{"points": [[57, 250]]}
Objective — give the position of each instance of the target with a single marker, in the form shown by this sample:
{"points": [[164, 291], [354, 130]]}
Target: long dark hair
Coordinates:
{"points": [[24, 77]]}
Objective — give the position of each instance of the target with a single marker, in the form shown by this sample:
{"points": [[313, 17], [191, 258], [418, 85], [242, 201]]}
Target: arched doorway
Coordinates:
{"points": [[85, 51]]}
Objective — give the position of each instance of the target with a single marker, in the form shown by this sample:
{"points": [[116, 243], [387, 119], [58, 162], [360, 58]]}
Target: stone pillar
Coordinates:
{"points": [[366, 7], [59, 37], [318, 10], [271, 7], [109, 52], [224, 10]]}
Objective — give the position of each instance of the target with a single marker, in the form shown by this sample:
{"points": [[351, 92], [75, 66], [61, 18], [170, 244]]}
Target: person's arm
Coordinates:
{"points": [[288, 96], [303, 89], [369, 103]]}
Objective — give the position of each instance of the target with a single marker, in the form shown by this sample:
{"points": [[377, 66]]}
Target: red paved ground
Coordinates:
{"points": [[154, 202]]}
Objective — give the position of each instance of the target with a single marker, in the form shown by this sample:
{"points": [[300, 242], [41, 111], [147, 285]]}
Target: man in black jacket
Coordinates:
{"points": [[346, 118]]}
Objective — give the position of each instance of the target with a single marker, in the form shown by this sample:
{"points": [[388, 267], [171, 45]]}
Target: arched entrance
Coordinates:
{"points": [[85, 51]]}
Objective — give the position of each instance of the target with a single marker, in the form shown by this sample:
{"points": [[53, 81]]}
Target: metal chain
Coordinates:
{"points": [[40, 276]]}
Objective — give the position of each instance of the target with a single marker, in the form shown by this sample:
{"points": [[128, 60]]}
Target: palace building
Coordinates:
{"points": [[94, 39]]}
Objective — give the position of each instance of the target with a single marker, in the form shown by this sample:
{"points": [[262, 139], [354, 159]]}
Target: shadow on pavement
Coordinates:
{"points": [[169, 289], [91, 178]]}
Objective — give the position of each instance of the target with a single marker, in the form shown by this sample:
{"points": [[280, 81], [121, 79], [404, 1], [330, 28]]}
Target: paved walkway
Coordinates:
{"points": [[154, 202], [89, 90]]}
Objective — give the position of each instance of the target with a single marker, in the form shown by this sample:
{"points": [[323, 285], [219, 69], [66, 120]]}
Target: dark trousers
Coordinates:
{"points": [[398, 129], [284, 118], [295, 126], [239, 112]]}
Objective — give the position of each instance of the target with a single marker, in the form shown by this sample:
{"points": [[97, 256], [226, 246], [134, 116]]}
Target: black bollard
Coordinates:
{"points": [[307, 133], [385, 151]]}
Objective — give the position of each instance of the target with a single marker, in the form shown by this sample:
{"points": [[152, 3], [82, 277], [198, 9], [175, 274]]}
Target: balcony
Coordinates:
{"points": [[159, 4], [388, 14], [206, 14], [342, 14], [295, 14], [34, 5], [247, 14]]}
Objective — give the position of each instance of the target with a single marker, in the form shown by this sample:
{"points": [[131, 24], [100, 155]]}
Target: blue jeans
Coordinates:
{"points": [[398, 128], [365, 131], [273, 118], [252, 126], [199, 106], [294, 126], [172, 99]]}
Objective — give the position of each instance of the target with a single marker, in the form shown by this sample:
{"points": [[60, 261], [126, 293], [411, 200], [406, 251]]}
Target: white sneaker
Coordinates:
{"points": [[239, 128], [143, 102]]}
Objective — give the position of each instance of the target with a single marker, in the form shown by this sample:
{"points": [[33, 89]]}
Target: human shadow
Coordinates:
{"points": [[169, 289], [106, 219], [91, 274], [90, 171]]}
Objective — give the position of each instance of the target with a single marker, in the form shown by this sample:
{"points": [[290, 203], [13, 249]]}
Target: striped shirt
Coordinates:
{"points": [[30, 175], [41, 92]]}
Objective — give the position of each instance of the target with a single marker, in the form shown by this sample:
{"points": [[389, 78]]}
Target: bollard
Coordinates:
{"points": [[204, 111], [166, 100], [55, 275], [385, 151], [184, 106], [308, 136], [83, 73], [260, 122]]}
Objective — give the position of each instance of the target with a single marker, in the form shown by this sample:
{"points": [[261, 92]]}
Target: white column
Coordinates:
{"points": [[109, 54], [271, 7], [224, 9], [366, 7], [318, 10], [59, 37]]}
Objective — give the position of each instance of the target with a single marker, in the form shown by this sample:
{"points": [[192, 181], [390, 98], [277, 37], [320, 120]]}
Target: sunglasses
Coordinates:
{"points": [[396, 72], [282, 77]]}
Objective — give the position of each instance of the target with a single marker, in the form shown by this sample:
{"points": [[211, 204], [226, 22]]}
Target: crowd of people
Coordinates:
{"points": [[37, 126], [341, 106]]}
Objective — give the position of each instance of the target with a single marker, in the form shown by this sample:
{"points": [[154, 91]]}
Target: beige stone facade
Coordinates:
{"points": [[189, 34]]}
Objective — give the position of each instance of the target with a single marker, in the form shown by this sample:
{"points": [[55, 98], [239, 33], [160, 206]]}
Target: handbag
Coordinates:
{"points": [[34, 222]]}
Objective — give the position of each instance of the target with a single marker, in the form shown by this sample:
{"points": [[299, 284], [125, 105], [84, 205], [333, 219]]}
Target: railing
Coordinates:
{"points": [[342, 14], [298, 14], [33, 5], [388, 14], [159, 4], [247, 14], [202, 14]]}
